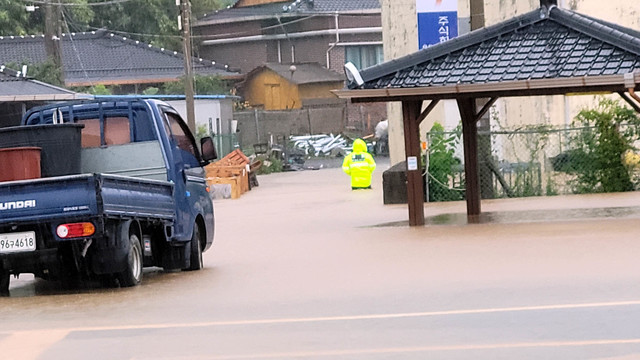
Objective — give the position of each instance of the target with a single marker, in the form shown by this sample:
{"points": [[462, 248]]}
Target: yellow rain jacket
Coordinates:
{"points": [[359, 165]]}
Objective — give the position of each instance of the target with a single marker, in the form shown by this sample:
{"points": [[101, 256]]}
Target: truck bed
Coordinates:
{"points": [[85, 195]]}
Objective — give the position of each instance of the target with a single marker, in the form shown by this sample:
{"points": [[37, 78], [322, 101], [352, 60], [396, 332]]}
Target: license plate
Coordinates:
{"points": [[17, 242]]}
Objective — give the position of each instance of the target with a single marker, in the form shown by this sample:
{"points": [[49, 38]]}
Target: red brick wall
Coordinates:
{"points": [[364, 117]]}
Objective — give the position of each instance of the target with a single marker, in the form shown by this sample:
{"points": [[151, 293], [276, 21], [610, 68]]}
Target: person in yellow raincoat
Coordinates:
{"points": [[359, 165]]}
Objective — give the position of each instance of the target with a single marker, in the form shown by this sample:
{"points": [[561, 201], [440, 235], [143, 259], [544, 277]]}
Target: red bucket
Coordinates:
{"points": [[20, 163]]}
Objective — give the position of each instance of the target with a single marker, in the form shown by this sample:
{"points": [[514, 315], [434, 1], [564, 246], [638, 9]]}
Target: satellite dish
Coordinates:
{"points": [[353, 75]]}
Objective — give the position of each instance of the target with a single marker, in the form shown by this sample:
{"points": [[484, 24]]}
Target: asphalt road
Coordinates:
{"points": [[304, 268]]}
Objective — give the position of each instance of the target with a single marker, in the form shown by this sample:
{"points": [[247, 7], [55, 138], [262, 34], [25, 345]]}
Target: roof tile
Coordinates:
{"points": [[100, 56], [550, 49], [292, 8]]}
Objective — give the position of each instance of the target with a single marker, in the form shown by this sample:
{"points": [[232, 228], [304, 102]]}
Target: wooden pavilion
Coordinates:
{"points": [[548, 51]]}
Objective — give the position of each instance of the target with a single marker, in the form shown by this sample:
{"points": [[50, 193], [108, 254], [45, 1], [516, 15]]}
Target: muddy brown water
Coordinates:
{"points": [[528, 216]]}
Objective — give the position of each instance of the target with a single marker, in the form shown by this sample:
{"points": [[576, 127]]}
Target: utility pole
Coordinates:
{"points": [[185, 16], [53, 35], [484, 123]]}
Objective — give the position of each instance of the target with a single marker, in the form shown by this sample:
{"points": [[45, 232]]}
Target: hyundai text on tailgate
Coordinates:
{"points": [[121, 186]]}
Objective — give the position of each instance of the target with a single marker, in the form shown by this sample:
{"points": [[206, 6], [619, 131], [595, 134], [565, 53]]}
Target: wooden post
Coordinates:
{"points": [[470, 138], [53, 36], [415, 187]]}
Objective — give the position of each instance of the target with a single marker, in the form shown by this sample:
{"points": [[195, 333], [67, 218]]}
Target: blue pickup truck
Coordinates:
{"points": [[137, 197]]}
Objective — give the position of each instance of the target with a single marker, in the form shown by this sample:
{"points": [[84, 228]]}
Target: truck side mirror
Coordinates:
{"points": [[208, 149]]}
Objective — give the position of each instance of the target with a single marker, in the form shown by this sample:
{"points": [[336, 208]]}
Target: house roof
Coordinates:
{"points": [[305, 73], [101, 57], [16, 88], [290, 8], [519, 56]]}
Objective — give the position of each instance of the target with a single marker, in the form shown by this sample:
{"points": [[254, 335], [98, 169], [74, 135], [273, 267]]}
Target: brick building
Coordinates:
{"points": [[253, 33]]}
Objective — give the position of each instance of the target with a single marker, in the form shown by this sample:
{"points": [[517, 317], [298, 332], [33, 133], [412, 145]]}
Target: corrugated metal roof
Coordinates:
{"points": [[560, 44], [101, 57]]}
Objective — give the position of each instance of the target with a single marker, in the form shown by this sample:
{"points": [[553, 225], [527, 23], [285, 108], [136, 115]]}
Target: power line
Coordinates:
{"points": [[214, 36], [76, 52]]}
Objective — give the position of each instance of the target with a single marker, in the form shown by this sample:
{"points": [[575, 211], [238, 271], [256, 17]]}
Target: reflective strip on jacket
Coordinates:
{"points": [[359, 165]]}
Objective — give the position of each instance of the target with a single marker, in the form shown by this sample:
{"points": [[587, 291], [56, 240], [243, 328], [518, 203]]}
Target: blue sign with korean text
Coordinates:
{"points": [[437, 21]]}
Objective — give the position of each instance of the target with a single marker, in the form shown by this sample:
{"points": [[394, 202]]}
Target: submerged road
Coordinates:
{"points": [[304, 268]]}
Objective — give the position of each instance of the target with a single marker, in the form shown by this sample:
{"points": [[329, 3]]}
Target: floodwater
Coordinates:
{"points": [[303, 267], [528, 216]]}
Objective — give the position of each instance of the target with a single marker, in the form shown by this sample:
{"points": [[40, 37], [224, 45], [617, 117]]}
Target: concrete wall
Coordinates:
{"points": [[399, 25], [216, 113], [257, 126]]}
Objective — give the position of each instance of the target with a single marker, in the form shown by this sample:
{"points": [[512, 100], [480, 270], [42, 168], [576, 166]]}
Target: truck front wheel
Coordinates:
{"points": [[132, 274], [195, 246]]}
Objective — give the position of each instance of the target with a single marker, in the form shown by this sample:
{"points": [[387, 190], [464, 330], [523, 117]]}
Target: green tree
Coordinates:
{"points": [[77, 18], [46, 71], [99, 89], [199, 8], [15, 19], [151, 91], [203, 85], [153, 21], [607, 132]]}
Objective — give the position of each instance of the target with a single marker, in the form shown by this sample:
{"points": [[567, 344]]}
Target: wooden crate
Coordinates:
{"points": [[233, 181], [237, 171], [234, 165], [236, 157]]}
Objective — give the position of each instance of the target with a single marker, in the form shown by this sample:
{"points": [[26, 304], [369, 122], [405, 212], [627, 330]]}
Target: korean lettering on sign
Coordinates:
{"points": [[437, 21]]}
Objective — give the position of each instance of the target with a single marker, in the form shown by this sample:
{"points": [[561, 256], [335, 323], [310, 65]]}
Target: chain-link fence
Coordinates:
{"points": [[534, 161]]}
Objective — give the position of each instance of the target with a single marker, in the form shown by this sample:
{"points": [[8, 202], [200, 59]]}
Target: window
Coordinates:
{"points": [[174, 128], [117, 131], [364, 56]]}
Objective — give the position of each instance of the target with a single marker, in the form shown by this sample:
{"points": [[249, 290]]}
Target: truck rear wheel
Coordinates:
{"points": [[132, 274], [195, 246], [4, 283]]}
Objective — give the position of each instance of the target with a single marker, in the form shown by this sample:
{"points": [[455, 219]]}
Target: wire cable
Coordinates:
{"points": [[76, 52]]}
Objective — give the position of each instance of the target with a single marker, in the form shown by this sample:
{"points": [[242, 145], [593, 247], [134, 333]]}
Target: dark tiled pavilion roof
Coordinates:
{"points": [[103, 58], [539, 45]]}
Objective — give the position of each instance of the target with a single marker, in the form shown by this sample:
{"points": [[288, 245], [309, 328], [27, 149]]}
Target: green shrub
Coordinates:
{"points": [[442, 163], [607, 132], [270, 164]]}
